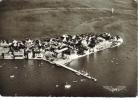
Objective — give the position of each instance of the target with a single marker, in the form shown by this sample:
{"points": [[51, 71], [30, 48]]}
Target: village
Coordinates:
{"points": [[56, 48]]}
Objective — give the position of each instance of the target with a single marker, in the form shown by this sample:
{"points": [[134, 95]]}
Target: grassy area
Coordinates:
{"points": [[19, 22]]}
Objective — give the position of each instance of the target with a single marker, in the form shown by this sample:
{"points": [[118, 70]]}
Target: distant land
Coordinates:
{"points": [[44, 18]]}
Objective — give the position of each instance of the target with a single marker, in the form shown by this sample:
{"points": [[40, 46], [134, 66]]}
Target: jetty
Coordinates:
{"points": [[77, 72], [73, 70]]}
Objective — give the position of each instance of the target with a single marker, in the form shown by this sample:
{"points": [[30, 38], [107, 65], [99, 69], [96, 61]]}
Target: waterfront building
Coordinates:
{"points": [[8, 55], [19, 54], [38, 55]]}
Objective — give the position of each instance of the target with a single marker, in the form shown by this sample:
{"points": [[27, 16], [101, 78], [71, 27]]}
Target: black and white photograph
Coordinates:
{"points": [[68, 48]]}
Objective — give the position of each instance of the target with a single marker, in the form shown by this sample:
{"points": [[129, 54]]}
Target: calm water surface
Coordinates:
{"points": [[112, 67]]}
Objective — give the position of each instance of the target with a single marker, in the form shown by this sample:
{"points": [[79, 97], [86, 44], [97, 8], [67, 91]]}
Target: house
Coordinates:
{"points": [[3, 44], [38, 55], [19, 54], [8, 55], [59, 53]]}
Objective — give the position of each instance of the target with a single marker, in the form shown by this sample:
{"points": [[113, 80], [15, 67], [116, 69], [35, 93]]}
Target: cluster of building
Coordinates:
{"points": [[54, 48]]}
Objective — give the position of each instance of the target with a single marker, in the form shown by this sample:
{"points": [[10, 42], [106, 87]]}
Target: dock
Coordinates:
{"points": [[73, 70]]}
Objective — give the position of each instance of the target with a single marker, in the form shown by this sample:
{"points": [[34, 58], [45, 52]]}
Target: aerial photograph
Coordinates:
{"points": [[68, 48]]}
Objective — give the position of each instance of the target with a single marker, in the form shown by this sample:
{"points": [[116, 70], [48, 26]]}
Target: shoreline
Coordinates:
{"points": [[61, 50]]}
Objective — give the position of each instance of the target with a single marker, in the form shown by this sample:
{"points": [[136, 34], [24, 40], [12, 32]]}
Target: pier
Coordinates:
{"points": [[77, 72], [73, 70]]}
